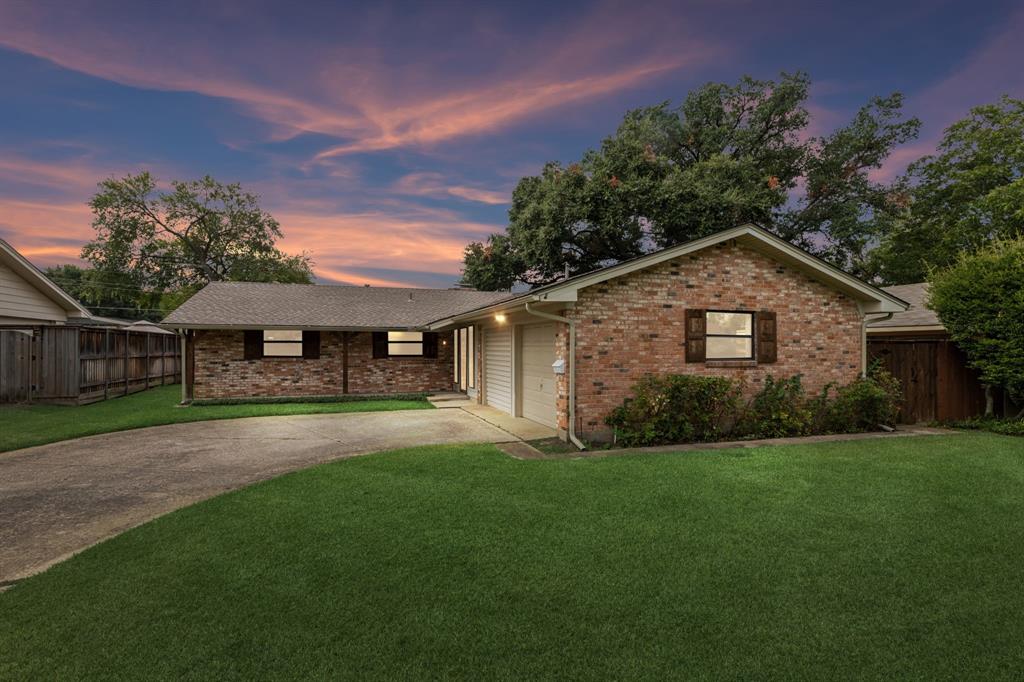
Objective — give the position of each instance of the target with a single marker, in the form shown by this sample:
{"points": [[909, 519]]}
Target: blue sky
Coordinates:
{"points": [[384, 136]]}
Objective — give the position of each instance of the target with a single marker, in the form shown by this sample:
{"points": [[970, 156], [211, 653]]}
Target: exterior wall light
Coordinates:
{"points": [[500, 318]]}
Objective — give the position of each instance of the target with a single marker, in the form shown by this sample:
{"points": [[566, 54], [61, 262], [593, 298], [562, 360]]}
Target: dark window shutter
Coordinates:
{"points": [[380, 344], [696, 328], [767, 337], [253, 344], [430, 344], [311, 345]]}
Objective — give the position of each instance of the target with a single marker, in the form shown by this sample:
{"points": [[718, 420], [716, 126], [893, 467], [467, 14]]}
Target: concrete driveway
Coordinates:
{"points": [[58, 499]]}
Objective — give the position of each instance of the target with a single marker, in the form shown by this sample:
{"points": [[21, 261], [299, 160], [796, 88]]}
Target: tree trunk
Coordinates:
{"points": [[990, 401]]}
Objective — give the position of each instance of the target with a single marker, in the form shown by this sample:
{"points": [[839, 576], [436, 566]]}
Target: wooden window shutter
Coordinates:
{"points": [[253, 344], [430, 344], [311, 345], [767, 337], [696, 329], [380, 344]]}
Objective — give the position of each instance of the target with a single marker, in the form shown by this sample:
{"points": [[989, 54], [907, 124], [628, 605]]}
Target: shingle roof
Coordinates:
{"points": [[260, 305], [918, 315]]}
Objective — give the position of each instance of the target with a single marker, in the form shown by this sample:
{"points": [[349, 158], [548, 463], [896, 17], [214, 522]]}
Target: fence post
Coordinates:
{"points": [[148, 336], [127, 353], [106, 363]]}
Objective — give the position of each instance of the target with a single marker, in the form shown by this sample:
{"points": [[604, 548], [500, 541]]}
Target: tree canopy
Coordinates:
{"points": [[163, 245], [965, 196], [729, 154], [108, 294], [980, 300]]}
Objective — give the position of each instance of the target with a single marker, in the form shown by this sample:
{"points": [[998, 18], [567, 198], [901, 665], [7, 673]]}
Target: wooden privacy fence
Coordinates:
{"points": [[84, 364], [936, 381], [15, 365]]}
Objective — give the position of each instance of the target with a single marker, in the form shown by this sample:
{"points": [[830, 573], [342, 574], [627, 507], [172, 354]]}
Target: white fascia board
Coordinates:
{"points": [[873, 298], [906, 328]]}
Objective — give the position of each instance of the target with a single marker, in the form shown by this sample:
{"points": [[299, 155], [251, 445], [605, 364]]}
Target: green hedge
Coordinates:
{"points": [[276, 400], [685, 408]]}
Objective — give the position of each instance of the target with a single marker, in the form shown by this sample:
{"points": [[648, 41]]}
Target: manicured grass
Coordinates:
{"points": [[22, 426], [894, 559]]}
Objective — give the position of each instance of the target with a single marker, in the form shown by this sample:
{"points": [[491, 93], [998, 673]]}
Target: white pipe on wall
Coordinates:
{"points": [[864, 340]]}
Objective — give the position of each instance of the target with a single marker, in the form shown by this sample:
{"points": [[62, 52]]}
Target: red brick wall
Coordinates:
{"points": [[633, 325], [222, 372]]}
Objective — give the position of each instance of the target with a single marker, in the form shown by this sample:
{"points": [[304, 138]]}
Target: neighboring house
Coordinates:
{"points": [[52, 349], [913, 345], [741, 303], [27, 296]]}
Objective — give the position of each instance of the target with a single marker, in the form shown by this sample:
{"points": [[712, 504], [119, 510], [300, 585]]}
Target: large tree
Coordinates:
{"points": [[965, 196], [169, 242], [729, 154]]}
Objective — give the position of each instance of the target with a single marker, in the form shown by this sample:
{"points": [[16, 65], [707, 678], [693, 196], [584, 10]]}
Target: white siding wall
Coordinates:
{"points": [[21, 300], [498, 367]]}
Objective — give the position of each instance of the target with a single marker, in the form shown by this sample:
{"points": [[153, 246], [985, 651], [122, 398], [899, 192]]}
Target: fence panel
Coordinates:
{"points": [[15, 365]]}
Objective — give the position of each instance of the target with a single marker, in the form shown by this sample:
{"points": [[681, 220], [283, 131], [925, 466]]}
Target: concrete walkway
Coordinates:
{"points": [[520, 450], [58, 499]]}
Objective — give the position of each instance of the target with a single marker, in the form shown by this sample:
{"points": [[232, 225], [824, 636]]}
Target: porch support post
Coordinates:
{"points": [[344, 362]]}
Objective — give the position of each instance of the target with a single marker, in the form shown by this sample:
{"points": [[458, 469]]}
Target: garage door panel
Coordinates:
{"points": [[538, 379], [498, 368]]}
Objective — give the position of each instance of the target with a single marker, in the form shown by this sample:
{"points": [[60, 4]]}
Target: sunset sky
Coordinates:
{"points": [[384, 136]]}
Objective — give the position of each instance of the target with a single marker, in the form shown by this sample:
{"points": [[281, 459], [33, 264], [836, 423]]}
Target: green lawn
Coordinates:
{"points": [[24, 425], [895, 559]]}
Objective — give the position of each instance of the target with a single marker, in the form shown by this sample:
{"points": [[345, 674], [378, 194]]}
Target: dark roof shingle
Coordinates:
{"points": [[257, 305], [918, 315]]}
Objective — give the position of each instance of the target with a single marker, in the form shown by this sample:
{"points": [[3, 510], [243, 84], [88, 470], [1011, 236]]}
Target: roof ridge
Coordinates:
{"points": [[355, 286]]}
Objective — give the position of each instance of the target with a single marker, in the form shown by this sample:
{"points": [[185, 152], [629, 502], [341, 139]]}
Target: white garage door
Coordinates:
{"points": [[538, 379], [498, 367]]}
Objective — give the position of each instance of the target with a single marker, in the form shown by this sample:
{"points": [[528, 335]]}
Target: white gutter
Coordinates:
{"points": [[572, 369], [864, 339]]}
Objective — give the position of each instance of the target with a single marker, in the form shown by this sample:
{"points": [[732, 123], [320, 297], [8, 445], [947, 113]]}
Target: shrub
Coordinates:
{"points": [[1007, 427], [980, 300], [863, 404], [675, 408], [778, 410], [692, 409]]}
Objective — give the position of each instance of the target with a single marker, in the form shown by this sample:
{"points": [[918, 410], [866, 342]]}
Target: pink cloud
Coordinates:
{"points": [[47, 233], [373, 101], [414, 241], [433, 185]]}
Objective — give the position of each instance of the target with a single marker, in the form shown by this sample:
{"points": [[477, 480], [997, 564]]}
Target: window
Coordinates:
{"points": [[405, 343], [729, 335], [282, 343]]}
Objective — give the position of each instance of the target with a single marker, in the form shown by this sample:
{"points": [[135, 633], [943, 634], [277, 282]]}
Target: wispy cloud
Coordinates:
{"points": [[355, 94], [434, 185]]}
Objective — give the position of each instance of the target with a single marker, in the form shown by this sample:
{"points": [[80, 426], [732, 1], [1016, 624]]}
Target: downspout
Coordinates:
{"points": [[864, 340], [572, 369]]}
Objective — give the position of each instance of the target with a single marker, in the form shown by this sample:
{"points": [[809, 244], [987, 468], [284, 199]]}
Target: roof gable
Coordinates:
{"points": [[870, 298], [21, 267]]}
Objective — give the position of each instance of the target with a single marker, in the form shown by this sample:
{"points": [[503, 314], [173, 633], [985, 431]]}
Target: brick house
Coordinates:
{"points": [[740, 303]]}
